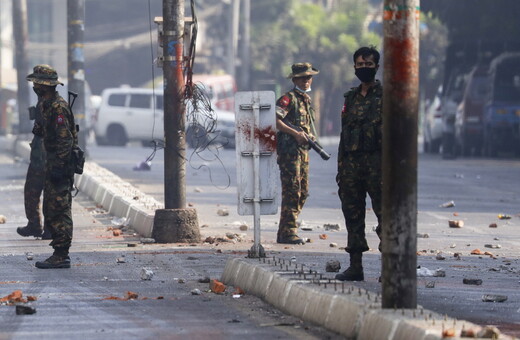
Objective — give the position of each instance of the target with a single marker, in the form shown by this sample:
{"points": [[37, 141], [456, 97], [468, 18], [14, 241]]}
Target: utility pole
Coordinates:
{"points": [[246, 42], [400, 111], [175, 223], [76, 63], [233, 36], [22, 70]]}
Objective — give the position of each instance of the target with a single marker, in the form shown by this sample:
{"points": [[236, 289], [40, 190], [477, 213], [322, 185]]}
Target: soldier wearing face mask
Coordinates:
{"points": [[359, 158]]}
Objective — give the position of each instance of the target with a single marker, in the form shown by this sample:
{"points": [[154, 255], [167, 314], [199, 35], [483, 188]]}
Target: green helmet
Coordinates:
{"points": [[44, 75]]}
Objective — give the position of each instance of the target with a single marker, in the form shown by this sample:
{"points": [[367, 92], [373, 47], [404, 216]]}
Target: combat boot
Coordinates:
{"points": [[30, 230], [46, 234], [54, 262], [355, 271], [289, 239]]}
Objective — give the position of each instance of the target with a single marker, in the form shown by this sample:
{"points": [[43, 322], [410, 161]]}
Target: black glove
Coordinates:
{"points": [[56, 175]]}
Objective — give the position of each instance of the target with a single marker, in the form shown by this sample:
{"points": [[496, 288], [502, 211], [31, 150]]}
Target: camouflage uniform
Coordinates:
{"points": [[59, 137], [293, 159], [34, 181], [359, 162]]}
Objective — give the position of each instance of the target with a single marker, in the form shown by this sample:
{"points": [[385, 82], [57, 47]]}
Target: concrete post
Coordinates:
{"points": [[400, 116]]}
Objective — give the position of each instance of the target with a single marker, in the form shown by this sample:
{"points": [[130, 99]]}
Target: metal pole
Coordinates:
{"points": [[400, 112], [174, 108], [76, 63], [22, 70], [233, 36], [246, 40]]}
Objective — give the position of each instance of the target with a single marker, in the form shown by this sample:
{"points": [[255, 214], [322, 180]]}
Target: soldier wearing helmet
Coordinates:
{"points": [[59, 137]]}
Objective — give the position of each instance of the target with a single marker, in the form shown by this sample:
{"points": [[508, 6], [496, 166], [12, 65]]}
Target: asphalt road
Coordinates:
{"points": [[480, 188]]}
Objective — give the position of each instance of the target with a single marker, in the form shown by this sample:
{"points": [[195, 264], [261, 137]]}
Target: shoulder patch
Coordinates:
{"points": [[284, 101], [60, 119]]}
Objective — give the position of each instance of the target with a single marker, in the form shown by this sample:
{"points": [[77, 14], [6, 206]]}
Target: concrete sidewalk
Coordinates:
{"points": [[291, 279]]}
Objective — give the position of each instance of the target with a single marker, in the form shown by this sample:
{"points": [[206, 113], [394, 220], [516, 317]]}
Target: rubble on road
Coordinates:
{"points": [[25, 310], [16, 297], [331, 227], [3, 219], [223, 212], [217, 287], [448, 204], [475, 282], [332, 266], [494, 298], [456, 223], [146, 274]]}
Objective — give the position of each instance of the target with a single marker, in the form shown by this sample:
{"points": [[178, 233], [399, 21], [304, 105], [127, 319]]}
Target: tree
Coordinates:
{"points": [[288, 31]]}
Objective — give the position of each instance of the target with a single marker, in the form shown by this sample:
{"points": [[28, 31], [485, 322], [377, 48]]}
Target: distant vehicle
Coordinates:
{"points": [[451, 97], [220, 89], [502, 110], [128, 114], [432, 124], [469, 132]]}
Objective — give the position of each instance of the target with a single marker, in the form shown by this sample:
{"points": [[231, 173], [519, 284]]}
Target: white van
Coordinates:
{"points": [[128, 114]]}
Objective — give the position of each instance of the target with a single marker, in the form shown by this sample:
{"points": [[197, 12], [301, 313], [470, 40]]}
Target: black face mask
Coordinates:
{"points": [[366, 74], [39, 91]]}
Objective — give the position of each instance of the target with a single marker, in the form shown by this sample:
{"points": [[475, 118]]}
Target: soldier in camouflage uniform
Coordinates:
{"points": [[359, 157], [33, 187], [294, 121], [59, 137]]}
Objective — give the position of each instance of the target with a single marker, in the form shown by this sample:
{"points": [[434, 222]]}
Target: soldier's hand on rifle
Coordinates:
{"points": [[301, 138]]}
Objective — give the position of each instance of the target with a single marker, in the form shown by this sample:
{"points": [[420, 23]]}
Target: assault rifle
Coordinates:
{"points": [[312, 143]]}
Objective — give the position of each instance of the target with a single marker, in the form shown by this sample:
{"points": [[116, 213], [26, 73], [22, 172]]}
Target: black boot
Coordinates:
{"points": [[60, 259], [30, 230], [289, 239], [355, 271], [46, 234]]}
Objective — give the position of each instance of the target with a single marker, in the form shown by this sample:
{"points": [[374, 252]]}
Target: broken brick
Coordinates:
{"points": [[217, 287]]}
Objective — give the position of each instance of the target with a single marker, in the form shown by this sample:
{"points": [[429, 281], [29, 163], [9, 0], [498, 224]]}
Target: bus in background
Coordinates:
{"points": [[220, 89]]}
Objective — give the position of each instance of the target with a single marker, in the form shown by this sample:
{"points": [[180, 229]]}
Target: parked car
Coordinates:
{"points": [[502, 109], [128, 114], [469, 132], [432, 124]]}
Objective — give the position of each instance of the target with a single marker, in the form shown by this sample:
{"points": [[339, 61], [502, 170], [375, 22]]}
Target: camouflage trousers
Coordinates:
{"points": [[57, 203], [32, 191], [294, 175], [359, 176]]}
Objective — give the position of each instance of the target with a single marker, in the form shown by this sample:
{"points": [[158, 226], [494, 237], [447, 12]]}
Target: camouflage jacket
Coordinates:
{"points": [[295, 108], [59, 132]]}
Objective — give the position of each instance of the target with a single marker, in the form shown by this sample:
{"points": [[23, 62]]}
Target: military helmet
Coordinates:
{"points": [[302, 70], [44, 75]]}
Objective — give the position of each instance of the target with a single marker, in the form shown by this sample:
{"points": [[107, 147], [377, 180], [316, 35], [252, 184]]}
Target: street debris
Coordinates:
{"points": [[146, 274], [196, 291], [456, 223], [131, 244], [448, 333], [423, 235], [494, 298], [475, 282], [477, 252], [116, 232], [197, 190], [29, 256], [504, 217], [493, 225], [453, 246], [204, 280], [181, 280], [146, 240], [119, 222], [243, 227], [449, 204], [457, 256], [121, 260], [16, 297], [493, 246], [430, 284], [131, 296], [425, 272], [223, 212], [332, 266], [204, 226], [3, 219], [323, 236], [217, 287], [238, 291], [459, 175], [25, 310], [307, 228], [331, 227], [332, 245], [440, 257]]}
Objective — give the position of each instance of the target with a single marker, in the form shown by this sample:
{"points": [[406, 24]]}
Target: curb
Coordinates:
{"points": [[118, 197], [354, 313]]}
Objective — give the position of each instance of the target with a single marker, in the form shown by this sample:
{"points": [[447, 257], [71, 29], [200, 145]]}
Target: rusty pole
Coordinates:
{"points": [[76, 63], [400, 112], [174, 108]]}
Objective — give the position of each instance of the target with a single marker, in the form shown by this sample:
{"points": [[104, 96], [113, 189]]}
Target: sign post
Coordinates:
{"points": [[256, 158]]}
